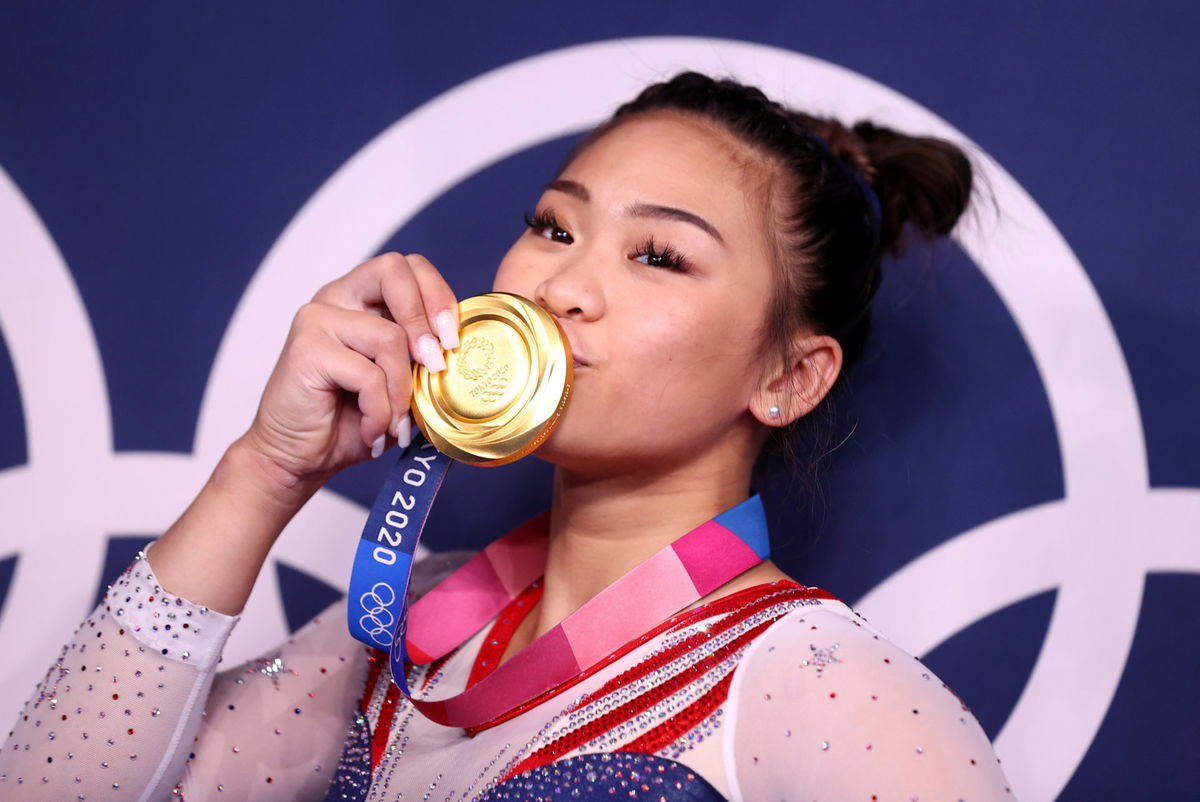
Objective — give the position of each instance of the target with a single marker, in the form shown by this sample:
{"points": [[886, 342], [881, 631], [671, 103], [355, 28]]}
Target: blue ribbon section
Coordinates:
{"points": [[748, 521], [377, 607]]}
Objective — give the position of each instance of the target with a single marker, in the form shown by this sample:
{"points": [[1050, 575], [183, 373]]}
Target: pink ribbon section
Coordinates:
{"points": [[713, 555], [464, 602], [668, 581]]}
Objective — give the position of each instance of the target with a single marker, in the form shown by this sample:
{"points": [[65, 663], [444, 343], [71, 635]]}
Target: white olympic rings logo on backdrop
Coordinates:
{"points": [[430, 150]]}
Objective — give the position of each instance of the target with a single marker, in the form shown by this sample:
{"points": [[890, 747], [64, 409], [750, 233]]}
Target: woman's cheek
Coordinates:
{"points": [[509, 278], [660, 333]]}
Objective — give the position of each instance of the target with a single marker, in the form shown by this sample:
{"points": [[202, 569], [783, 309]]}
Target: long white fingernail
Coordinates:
{"points": [[404, 431], [430, 354], [377, 447], [447, 329]]}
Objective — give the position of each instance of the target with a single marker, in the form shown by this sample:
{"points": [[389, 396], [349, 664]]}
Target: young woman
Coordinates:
{"points": [[711, 257]]}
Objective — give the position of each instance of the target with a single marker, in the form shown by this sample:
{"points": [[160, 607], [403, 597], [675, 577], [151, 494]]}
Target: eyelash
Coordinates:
{"points": [[540, 221], [666, 258]]}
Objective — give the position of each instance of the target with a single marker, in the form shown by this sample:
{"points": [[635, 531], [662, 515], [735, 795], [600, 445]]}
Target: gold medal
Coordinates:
{"points": [[503, 388]]}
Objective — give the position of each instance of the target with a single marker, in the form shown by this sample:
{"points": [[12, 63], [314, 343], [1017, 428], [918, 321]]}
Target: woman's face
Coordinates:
{"points": [[651, 250]]}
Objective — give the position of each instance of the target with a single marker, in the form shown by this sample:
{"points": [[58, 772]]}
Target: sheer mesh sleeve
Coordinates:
{"points": [[275, 727], [825, 706], [133, 708], [115, 713]]}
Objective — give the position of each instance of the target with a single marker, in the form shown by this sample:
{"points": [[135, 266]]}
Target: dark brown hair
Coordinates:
{"points": [[842, 198]]}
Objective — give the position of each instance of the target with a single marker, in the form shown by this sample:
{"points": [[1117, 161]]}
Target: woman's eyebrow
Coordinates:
{"points": [[571, 188], [577, 190], [671, 213]]}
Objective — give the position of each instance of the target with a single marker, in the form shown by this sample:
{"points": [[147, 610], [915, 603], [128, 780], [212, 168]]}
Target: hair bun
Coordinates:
{"points": [[848, 146], [923, 181]]}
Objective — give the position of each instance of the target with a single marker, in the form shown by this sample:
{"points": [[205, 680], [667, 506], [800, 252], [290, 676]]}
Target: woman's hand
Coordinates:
{"points": [[342, 386]]}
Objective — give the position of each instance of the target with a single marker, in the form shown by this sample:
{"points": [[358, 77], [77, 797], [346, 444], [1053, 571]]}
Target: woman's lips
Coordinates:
{"points": [[579, 360]]}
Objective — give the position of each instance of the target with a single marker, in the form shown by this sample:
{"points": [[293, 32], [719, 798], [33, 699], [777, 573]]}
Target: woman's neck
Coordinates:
{"points": [[601, 527], [597, 535]]}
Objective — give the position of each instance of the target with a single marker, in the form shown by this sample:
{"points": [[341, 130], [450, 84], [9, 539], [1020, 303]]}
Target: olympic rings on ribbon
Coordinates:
{"points": [[371, 622]]}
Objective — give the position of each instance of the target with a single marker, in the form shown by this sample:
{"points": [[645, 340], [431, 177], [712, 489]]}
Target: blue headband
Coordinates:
{"points": [[864, 187]]}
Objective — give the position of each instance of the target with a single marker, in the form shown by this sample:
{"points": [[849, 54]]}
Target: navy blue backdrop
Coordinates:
{"points": [[166, 147]]}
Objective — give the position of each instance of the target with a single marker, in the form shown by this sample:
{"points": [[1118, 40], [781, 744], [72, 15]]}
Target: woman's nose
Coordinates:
{"points": [[571, 292]]}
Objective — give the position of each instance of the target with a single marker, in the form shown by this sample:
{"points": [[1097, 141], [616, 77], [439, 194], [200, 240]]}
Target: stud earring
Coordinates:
{"points": [[773, 411]]}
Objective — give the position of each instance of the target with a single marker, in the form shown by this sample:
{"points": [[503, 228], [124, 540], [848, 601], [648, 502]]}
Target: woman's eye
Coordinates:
{"points": [[545, 224], [666, 257]]}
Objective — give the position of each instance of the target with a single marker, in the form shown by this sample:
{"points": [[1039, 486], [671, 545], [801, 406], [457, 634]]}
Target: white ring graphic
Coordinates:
{"points": [[1109, 514], [370, 620]]}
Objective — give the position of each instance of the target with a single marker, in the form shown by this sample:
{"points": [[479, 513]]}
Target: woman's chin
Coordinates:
{"points": [[571, 450], [557, 447]]}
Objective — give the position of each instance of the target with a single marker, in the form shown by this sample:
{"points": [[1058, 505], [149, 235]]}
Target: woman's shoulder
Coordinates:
{"points": [[827, 640], [821, 694]]}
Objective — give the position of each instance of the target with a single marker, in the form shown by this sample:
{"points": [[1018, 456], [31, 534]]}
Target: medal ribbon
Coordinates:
{"points": [[686, 570]]}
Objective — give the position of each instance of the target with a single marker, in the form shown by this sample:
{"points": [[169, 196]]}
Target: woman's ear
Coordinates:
{"points": [[788, 391]]}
